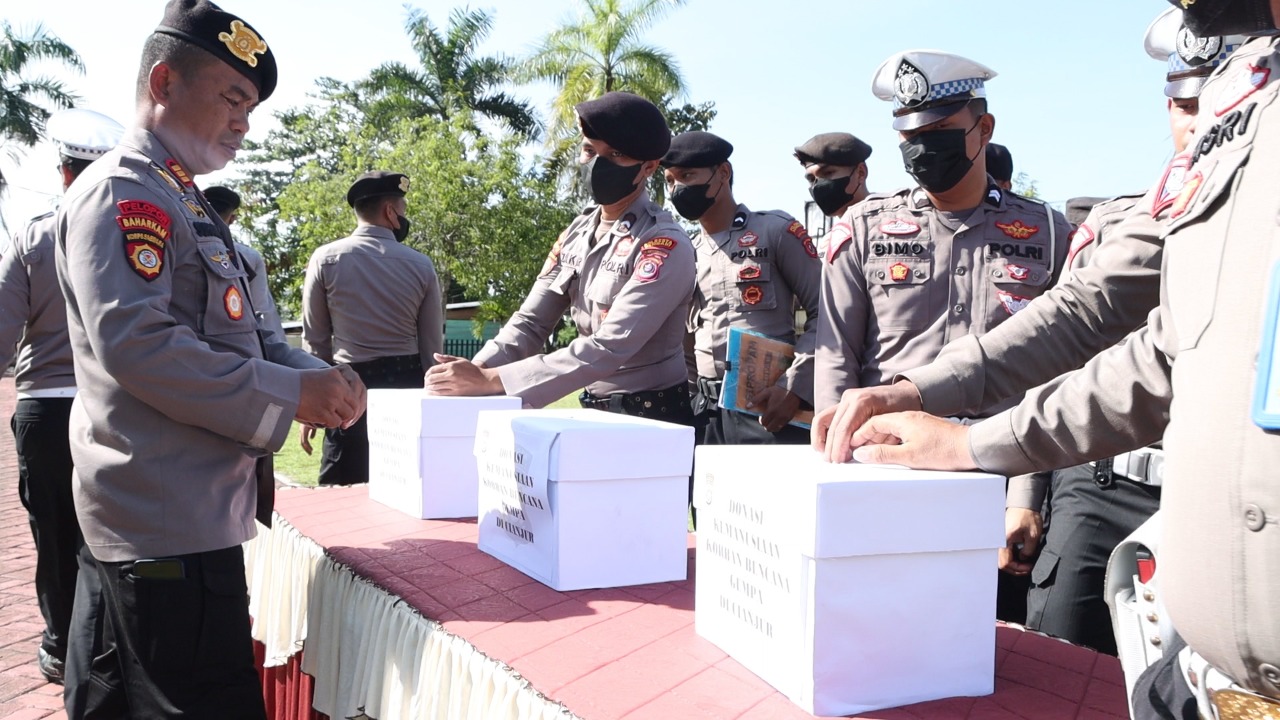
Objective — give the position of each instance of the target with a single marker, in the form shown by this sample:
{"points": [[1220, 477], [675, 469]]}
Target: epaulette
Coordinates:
{"points": [[876, 203]]}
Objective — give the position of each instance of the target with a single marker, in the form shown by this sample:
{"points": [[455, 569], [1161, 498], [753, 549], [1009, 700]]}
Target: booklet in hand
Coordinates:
{"points": [[754, 362]]}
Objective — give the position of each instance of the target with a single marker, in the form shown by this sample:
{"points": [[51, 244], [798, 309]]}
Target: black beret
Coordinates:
{"points": [[999, 162], [222, 199], [630, 124], [835, 148], [229, 38], [697, 149], [377, 182]]}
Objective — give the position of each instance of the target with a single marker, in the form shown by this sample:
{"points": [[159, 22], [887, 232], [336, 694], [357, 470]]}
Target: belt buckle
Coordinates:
{"points": [[1239, 705]]}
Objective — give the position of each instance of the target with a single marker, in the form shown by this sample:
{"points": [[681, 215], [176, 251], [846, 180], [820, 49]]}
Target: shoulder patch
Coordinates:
{"points": [[841, 234], [553, 257], [659, 243], [1171, 183], [1082, 238], [140, 216], [797, 229], [649, 266]]}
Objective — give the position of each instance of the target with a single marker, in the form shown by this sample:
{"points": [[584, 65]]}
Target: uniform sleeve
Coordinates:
{"points": [[123, 306], [15, 298], [842, 320], [1061, 244], [1117, 402], [802, 271], [431, 320], [317, 326], [640, 308], [527, 331], [260, 295], [1058, 332]]}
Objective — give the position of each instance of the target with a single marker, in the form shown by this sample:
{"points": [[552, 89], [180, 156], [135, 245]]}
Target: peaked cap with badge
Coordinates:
{"points": [[226, 36], [630, 124], [375, 183], [833, 148], [928, 85], [83, 134], [1191, 58], [697, 149]]}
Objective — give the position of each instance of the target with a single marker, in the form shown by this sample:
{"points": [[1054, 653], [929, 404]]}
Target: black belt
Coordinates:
{"points": [[399, 371], [672, 402], [708, 397]]}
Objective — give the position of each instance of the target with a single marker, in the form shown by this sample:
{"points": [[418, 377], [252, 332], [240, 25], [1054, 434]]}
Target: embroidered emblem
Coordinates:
{"points": [[1082, 238], [899, 226], [801, 234], [752, 295], [1196, 51], [244, 43], [648, 267], [910, 87], [1171, 184], [899, 272], [553, 258], [194, 207], [1189, 188], [748, 239], [623, 226], [1018, 272], [1017, 230], [233, 302], [841, 233], [178, 172], [139, 216], [994, 195], [624, 246], [749, 272], [221, 258], [1012, 303], [168, 179], [404, 184], [660, 243], [146, 259], [1247, 80]]}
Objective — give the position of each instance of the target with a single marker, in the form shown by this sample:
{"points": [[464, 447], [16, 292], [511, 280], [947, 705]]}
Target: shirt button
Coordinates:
{"points": [[1254, 518], [996, 273], [1270, 673], [959, 308], [880, 274], [919, 274], [960, 271]]}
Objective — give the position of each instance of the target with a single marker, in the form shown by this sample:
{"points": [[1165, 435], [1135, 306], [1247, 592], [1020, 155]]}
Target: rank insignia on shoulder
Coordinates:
{"points": [[233, 302], [194, 207], [1018, 272], [899, 272], [178, 172], [648, 267], [748, 239], [145, 258], [1017, 230], [1012, 303], [752, 294], [899, 226]]}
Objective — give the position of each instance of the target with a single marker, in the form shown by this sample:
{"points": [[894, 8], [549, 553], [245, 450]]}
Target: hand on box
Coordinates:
{"points": [[776, 406], [330, 397], [456, 376], [914, 439], [833, 428], [1022, 529]]}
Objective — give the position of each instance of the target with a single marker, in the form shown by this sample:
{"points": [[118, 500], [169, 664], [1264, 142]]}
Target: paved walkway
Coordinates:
{"points": [[24, 694]]}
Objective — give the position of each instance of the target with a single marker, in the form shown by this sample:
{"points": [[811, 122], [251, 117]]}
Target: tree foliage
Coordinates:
{"points": [[22, 116]]}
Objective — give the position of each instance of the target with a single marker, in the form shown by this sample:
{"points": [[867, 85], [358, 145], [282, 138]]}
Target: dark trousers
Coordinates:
{"points": [[179, 628], [1161, 692], [717, 426], [44, 486], [93, 689], [345, 457], [1087, 519]]}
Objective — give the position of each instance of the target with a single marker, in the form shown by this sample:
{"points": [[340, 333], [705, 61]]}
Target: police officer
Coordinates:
{"points": [[226, 203], [1094, 506], [625, 270], [374, 303], [177, 392], [910, 270], [33, 324], [1202, 371], [753, 267], [835, 166], [1000, 165]]}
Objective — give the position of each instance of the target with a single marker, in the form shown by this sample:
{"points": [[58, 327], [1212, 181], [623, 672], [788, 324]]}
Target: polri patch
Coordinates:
{"points": [[1012, 303], [801, 234], [899, 272], [233, 301], [648, 267], [749, 272], [1018, 230], [145, 258], [1245, 80], [1018, 272], [752, 294], [899, 226], [748, 239]]}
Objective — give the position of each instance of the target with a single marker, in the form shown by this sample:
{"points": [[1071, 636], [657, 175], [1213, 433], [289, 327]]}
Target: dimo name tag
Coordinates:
{"points": [[1266, 391]]}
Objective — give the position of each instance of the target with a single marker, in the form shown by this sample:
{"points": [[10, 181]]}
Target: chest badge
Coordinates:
{"points": [[194, 207], [748, 239], [1018, 230], [752, 295], [899, 272], [1018, 272], [221, 258], [624, 246], [899, 226], [750, 272], [233, 301], [1247, 80], [1012, 303]]}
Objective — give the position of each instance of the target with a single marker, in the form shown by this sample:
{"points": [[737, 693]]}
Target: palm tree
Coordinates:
{"points": [[598, 52], [451, 80]]}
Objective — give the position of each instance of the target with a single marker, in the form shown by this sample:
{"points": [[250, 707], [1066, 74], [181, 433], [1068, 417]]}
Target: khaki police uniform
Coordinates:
{"points": [[752, 276], [628, 287], [902, 280], [260, 293], [1194, 367], [374, 303]]}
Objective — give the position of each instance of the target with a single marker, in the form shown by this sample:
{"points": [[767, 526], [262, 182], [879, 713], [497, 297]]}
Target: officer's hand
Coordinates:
{"points": [[362, 394], [328, 399], [914, 439], [463, 377], [305, 434], [776, 405], [833, 428], [442, 358], [1021, 527]]}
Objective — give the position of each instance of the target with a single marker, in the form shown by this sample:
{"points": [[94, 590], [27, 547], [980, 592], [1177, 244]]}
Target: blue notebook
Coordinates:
{"points": [[754, 362]]}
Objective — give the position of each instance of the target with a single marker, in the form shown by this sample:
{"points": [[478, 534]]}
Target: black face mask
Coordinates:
{"points": [[692, 201], [608, 181], [937, 159], [1206, 18], [401, 232], [830, 194]]}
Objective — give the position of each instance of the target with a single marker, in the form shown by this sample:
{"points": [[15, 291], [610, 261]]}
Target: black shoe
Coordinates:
{"points": [[51, 667]]}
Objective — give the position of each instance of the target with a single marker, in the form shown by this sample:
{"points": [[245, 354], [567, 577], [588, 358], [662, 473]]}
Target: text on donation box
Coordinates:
{"points": [[513, 488]]}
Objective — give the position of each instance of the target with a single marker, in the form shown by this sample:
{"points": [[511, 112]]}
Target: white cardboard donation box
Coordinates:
{"points": [[420, 451], [849, 588], [581, 499]]}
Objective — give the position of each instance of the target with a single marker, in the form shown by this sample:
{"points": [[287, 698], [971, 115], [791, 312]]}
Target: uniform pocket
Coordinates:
{"points": [[753, 287], [227, 309], [899, 290]]}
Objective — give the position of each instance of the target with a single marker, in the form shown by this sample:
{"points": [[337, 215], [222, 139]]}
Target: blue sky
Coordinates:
{"points": [[1077, 100]]}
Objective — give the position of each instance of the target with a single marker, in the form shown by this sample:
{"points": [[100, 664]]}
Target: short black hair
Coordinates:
{"points": [[175, 52], [366, 207], [978, 106], [75, 165]]}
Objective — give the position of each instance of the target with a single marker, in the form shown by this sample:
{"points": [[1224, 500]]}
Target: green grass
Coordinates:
{"points": [[303, 469]]}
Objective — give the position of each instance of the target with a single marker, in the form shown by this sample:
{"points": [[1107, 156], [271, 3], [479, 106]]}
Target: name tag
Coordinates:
{"points": [[1266, 392]]}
